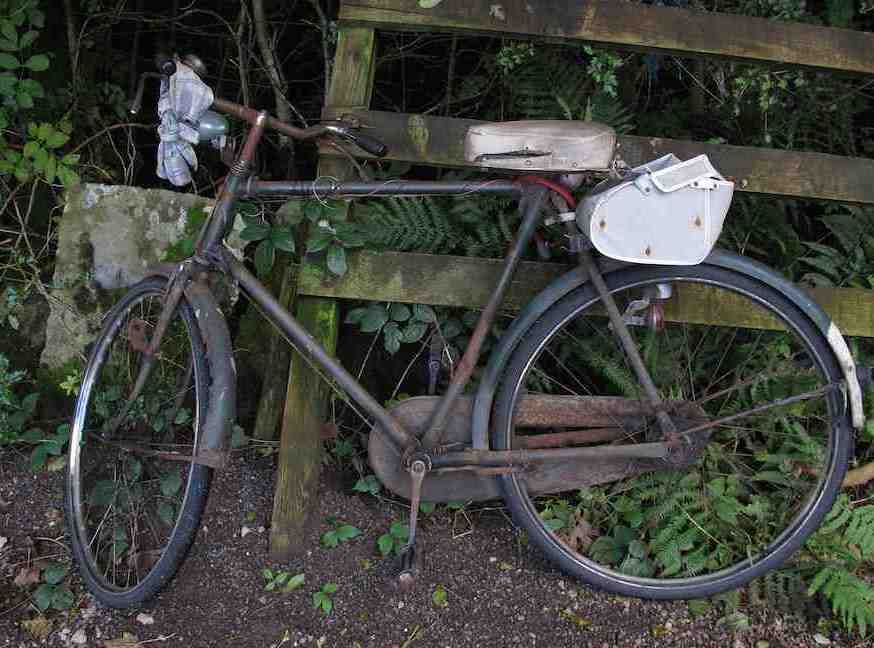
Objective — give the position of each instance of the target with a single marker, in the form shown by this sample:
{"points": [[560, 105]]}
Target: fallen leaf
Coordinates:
{"points": [[429, 4], [580, 537], [79, 637], [821, 640], [127, 640], [38, 627], [3, 541], [27, 576], [577, 620], [145, 619]]}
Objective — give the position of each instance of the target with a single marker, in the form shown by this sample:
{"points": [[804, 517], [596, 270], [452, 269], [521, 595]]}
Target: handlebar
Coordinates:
{"points": [[166, 65]]}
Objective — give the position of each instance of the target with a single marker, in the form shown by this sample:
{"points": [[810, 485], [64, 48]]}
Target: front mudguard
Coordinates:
{"points": [[221, 414], [485, 394]]}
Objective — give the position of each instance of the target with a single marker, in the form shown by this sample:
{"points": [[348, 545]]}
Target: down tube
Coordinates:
{"points": [[305, 343]]}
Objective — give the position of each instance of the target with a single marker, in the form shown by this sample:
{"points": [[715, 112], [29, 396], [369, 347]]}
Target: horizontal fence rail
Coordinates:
{"points": [[440, 141], [468, 282], [629, 24]]}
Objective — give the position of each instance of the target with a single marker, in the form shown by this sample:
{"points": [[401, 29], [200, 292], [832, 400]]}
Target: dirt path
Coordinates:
{"points": [[498, 591]]}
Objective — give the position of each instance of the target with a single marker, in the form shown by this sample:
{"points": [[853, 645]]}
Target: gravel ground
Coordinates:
{"points": [[499, 592]]}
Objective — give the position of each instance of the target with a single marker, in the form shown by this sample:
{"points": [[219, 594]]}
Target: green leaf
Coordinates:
{"points": [[423, 313], [37, 18], [67, 176], [37, 63], [255, 232], [385, 543], [43, 596], [439, 597], [56, 140], [7, 83], [399, 530], [283, 238], [427, 507], [413, 332], [369, 484], [347, 532], [294, 582], [167, 513], [9, 62], [8, 46], [7, 28], [62, 599], [355, 315], [27, 39], [291, 212], [400, 312], [103, 493], [330, 588], [24, 100], [451, 328], [171, 482], [337, 260], [55, 573], [319, 240], [133, 469], [374, 319], [265, 255], [70, 159], [392, 337], [38, 457], [330, 539]]}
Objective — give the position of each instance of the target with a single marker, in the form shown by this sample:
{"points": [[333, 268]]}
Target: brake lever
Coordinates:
{"points": [[137, 102]]}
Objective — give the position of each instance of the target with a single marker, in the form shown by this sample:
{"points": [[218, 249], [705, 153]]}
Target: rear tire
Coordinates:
{"points": [[131, 513], [751, 497]]}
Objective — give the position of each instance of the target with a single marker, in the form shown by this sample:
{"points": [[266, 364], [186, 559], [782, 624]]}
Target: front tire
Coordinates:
{"points": [[752, 495], [133, 501]]}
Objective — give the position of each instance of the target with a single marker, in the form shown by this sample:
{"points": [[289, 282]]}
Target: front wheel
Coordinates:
{"points": [[753, 486], [134, 497]]}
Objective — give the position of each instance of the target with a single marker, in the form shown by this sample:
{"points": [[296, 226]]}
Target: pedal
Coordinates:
{"points": [[408, 568]]}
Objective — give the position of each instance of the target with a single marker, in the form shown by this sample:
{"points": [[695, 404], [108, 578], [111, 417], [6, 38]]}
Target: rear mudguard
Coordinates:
{"points": [[212, 449], [485, 394]]}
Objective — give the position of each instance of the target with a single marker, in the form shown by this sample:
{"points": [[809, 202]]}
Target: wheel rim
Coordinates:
{"points": [[618, 531], [127, 503]]}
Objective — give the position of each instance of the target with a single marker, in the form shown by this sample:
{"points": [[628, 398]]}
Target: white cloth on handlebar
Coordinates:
{"points": [[184, 98]]}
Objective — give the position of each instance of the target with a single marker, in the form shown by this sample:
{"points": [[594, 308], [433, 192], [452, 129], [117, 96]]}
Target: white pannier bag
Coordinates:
{"points": [[665, 211]]}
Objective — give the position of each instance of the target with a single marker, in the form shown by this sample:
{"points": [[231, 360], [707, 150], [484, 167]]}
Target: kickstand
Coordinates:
{"points": [[409, 567]]}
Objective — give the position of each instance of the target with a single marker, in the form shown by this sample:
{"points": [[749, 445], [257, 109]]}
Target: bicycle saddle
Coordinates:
{"points": [[541, 145]]}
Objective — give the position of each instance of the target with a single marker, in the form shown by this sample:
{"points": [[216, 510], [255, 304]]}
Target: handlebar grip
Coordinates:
{"points": [[367, 143], [166, 64]]}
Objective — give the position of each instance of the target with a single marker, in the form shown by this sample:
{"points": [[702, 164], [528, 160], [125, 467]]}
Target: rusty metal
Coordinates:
{"points": [[669, 430], [822, 391], [572, 437], [530, 205], [419, 467], [475, 483], [309, 348]]}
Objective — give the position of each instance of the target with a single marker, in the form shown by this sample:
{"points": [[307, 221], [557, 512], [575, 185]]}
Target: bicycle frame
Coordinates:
{"points": [[211, 255]]}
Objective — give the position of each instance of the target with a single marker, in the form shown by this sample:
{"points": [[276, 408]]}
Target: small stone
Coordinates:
{"points": [[145, 619], [763, 644], [821, 640], [492, 559], [245, 531], [79, 637]]}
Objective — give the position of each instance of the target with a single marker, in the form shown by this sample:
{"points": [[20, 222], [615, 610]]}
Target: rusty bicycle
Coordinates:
{"points": [[665, 420]]}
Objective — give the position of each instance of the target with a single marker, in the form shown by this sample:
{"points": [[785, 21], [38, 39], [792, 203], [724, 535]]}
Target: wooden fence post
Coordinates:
{"points": [[300, 450]]}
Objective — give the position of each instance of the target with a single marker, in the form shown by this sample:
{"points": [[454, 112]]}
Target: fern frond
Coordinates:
{"points": [[851, 598]]}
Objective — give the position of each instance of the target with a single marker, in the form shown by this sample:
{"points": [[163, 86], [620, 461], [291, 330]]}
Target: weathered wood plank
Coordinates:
{"points": [[626, 24], [463, 281], [440, 141], [300, 449]]}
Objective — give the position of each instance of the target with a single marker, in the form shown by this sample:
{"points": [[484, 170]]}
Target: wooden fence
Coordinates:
{"points": [[419, 278]]}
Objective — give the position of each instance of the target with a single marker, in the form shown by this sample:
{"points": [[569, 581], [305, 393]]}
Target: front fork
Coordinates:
{"points": [[150, 347]]}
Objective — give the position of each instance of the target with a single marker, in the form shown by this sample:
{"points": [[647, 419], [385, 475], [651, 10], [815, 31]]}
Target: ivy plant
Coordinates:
{"points": [[398, 323]]}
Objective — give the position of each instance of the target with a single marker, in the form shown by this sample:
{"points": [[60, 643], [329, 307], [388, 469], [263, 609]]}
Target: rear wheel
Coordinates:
{"points": [[752, 488], [134, 497]]}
